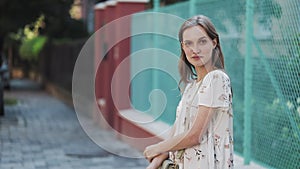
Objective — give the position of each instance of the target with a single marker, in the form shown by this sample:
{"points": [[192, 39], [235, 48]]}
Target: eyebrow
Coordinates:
{"points": [[198, 39]]}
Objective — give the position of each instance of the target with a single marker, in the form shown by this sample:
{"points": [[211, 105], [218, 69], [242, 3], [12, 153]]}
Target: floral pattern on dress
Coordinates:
{"points": [[215, 150]]}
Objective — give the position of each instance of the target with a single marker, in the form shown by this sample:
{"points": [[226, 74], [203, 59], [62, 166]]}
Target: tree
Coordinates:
{"points": [[15, 14]]}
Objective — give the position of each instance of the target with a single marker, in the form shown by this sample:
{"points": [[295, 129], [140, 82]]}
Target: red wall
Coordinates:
{"points": [[106, 69], [102, 69]]}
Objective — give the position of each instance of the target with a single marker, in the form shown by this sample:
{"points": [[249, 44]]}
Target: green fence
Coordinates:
{"points": [[262, 58]]}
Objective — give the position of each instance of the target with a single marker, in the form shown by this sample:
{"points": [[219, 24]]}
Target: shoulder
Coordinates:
{"points": [[217, 74]]}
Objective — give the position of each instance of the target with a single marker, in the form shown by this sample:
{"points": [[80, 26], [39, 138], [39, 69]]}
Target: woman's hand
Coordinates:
{"points": [[157, 161], [151, 152]]}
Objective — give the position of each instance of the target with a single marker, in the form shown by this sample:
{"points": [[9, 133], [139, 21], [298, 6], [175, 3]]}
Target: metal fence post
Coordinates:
{"points": [[248, 83], [155, 75], [192, 7]]}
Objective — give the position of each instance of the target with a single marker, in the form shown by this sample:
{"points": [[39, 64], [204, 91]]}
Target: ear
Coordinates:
{"points": [[181, 45], [215, 42]]}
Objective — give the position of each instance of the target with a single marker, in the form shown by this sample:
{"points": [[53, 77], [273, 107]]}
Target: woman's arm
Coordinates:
{"points": [[184, 140]]}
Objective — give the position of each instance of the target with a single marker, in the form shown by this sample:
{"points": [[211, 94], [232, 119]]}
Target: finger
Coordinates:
{"points": [[151, 158], [145, 154], [148, 159]]}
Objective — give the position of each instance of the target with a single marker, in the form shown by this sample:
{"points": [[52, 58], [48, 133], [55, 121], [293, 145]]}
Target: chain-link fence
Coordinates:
{"points": [[274, 101]]}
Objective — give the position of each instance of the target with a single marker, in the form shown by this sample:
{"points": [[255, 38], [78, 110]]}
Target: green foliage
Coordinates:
{"points": [[56, 23], [30, 48], [33, 30], [10, 101], [282, 139], [16, 14], [236, 15], [276, 111], [272, 133], [31, 42]]}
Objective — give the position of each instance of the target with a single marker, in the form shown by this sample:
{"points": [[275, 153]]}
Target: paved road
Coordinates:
{"points": [[40, 132]]}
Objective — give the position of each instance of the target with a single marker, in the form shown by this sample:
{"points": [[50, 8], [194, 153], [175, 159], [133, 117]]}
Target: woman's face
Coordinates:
{"points": [[197, 46]]}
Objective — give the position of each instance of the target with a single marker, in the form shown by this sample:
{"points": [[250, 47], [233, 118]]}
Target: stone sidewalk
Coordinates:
{"points": [[41, 132]]}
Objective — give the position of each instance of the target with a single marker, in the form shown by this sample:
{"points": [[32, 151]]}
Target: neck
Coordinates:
{"points": [[202, 71]]}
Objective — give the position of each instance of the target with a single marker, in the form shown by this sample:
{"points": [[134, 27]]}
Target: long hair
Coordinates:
{"points": [[186, 69]]}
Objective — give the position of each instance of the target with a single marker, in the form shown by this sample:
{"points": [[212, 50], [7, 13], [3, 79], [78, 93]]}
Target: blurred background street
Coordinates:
{"points": [[41, 132]]}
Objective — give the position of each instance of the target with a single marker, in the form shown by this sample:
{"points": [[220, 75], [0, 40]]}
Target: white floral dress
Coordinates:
{"points": [[215, 151]]}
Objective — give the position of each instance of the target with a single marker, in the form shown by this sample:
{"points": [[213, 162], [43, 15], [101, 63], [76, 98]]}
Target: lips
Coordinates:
{"points": [[196, 57]]}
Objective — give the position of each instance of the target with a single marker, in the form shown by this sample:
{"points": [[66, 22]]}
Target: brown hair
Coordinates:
{"points": [[186, 69]]}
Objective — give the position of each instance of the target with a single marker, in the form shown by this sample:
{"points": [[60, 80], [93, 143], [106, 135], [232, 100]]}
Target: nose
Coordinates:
{"points": [[195, 50]]}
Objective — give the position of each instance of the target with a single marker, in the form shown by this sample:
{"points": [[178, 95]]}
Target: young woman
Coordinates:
{"points": [[202, 133]]}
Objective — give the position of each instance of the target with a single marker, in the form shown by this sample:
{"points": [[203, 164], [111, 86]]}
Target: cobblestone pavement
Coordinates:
{"points": [[40, 132]]}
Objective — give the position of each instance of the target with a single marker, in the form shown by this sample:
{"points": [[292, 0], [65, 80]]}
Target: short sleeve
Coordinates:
{"points": [[215, 90]]}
